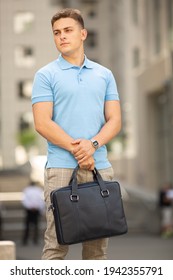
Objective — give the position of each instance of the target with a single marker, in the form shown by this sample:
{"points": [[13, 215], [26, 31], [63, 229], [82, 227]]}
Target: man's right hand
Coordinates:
{"points": [[88, 164]]}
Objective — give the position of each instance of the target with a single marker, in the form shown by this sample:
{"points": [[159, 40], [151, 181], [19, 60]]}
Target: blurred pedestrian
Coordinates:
{"points": [[170, 193], [33, 203], [165, 203], [1, 222]]}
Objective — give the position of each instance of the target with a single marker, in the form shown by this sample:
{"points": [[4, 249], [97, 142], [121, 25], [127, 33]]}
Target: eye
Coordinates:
{"points": [[56, 33], [68, 30]]}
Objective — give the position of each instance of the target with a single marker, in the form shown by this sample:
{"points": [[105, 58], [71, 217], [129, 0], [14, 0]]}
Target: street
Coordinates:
{"points": [[131, 246]]}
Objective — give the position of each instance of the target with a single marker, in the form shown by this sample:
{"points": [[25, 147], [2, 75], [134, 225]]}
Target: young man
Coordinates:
{"points": [[76, 108]]}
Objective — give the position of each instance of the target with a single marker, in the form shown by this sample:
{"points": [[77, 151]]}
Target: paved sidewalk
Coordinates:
{"points": [[125, 247]]}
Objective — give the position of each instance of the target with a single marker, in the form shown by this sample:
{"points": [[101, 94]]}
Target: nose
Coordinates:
{"points": [[62, 35]]}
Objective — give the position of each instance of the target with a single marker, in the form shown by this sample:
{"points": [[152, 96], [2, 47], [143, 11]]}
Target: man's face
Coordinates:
{"points": [[68, 36]]}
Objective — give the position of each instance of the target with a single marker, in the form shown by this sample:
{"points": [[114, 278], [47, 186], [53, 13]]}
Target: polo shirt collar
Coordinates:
{"points": [[64, 64]]}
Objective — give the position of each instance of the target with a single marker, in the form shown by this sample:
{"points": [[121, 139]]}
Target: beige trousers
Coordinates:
{"points": [[57, 178]]}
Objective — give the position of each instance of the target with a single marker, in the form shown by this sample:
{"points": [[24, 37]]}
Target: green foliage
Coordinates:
{"points": [[27, 138], [121, 137]]}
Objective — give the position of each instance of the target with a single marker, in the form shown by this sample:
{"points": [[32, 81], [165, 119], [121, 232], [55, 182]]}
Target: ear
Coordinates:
{"points": [[84, 34]]}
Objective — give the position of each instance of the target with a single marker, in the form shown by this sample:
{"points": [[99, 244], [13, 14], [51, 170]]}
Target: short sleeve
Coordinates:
{"points": [[111, 91], [41, 90]]}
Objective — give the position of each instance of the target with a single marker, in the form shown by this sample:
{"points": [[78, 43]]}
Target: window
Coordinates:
{"points": [[24, 56], [26, 121], [91, 39], [157, 27], [90, 8], [64, 3], [23, 21], [54, 2], [135, 11], [170, 14], [25, 89], [136, 57], [26, 134]]}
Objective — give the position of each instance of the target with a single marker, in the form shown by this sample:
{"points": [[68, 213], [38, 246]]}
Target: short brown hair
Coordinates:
{"points": [[68, 13]]}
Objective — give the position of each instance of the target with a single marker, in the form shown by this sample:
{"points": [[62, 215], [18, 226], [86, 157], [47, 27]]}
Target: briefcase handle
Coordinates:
{"points": [[97, 177]]}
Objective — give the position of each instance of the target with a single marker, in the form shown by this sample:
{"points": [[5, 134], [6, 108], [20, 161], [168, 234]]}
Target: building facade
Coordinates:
{"points": [[131, 37], [25, 45], [155, 95]]}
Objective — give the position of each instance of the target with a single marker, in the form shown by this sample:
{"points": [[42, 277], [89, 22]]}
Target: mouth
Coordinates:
{"points": [[64, 44]]}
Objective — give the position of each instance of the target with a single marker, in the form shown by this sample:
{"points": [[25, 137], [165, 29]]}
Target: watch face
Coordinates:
{"points": [[95, 143]]}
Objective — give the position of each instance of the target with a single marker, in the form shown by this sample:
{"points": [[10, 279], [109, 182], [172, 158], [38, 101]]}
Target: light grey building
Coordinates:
{"points": [[154, 94], [25, 45], [131, 37]]}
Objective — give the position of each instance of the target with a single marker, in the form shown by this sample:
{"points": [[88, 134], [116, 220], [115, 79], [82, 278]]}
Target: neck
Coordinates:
{"points": [[74, 59]]}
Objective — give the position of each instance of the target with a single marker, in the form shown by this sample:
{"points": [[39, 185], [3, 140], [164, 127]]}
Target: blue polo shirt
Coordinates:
{"points": [[78, 95]]}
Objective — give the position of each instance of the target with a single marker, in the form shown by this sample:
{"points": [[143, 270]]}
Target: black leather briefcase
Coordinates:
{"points": [[88, 211]]}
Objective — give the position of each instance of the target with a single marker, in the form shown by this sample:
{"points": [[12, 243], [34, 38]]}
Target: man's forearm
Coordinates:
{"points": [[112, 125], [108, 132], [55, 134]]}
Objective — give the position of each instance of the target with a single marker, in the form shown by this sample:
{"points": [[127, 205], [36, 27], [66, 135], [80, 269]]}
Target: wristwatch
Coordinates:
{"points": [[95, 144]]}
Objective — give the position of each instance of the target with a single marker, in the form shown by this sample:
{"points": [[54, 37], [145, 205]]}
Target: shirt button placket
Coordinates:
{"points": [[79, 77]]}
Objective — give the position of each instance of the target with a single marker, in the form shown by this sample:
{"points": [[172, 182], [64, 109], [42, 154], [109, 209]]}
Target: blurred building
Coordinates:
{"points": [[133, 39], [150, 41], [25, 45], [147, 91]]}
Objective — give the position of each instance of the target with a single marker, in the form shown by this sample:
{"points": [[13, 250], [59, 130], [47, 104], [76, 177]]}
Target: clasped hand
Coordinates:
{"points": [[83, 151]]}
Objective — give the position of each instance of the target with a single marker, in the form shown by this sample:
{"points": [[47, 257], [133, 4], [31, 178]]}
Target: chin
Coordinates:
{"points": [[66, 53]]}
